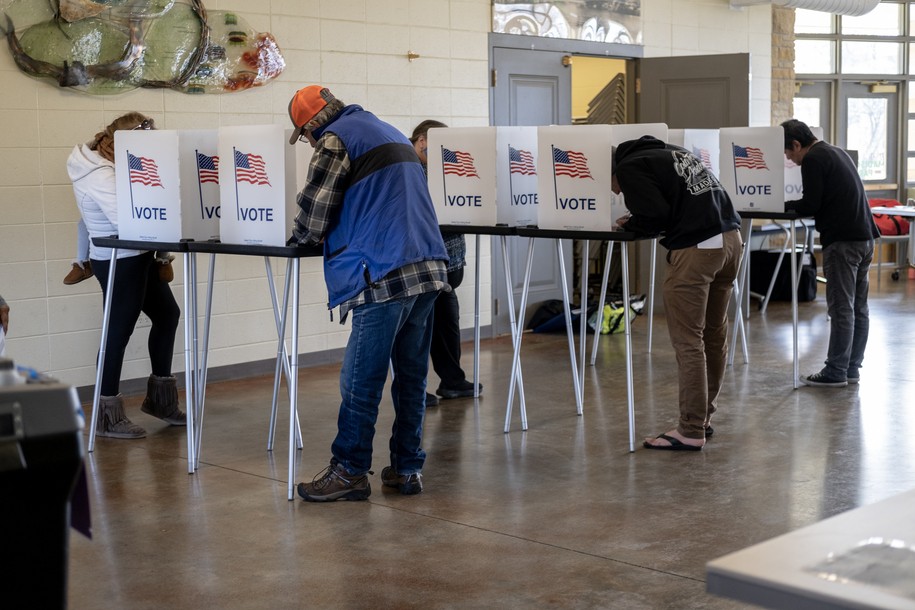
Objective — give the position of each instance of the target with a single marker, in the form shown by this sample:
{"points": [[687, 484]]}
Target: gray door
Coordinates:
{"points": [[531, 88], [698, 92]]}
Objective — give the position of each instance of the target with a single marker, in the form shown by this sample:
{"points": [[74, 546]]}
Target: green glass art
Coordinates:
{"points": [[110, 46]]}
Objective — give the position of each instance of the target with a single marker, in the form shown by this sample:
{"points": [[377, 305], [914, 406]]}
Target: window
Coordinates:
{"points": [[814, 57], [864, 70], [866, 131], [807, 109], [871, 57], [813, 22], [884, 20]]}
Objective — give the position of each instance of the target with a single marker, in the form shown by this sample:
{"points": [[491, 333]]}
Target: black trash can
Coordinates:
{"points": [[41, 460]]}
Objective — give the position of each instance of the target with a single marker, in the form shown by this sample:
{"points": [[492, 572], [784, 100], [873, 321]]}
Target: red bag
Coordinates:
{"points": [[889, 224]]}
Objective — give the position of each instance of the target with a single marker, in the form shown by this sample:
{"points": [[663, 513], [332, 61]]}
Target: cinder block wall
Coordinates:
{"points": [[358, 48]]}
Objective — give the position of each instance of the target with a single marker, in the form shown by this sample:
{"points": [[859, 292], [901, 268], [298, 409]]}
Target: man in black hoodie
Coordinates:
{"points": [[834, 195], [669, 192]]}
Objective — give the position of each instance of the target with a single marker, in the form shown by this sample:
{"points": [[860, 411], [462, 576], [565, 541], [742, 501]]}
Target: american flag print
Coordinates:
{"points": [[521, 162], [749, 157], [207, 168], [250, 168], [570, 163], [704, 156], [143, 170], [458, 163]]}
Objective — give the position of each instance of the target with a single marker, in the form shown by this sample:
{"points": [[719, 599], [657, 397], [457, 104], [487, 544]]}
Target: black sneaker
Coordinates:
{"points": [[431, 400], [334, 483], [408, 484], [464, 389], [853, 376], [823, 380]]}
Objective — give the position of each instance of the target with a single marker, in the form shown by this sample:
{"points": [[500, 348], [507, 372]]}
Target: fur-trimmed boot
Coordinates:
{"points": [[162, 400], [113, 422]]}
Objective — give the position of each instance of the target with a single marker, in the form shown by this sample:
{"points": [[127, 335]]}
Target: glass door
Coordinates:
{"points": [[870, 115], [813, 105]]}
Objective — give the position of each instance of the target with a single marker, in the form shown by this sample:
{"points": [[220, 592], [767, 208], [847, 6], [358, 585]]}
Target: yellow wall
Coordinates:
{"points": [[589, 76]]}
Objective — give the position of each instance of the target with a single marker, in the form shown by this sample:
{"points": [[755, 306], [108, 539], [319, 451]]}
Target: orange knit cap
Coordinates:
{"points": [[305, 105]]}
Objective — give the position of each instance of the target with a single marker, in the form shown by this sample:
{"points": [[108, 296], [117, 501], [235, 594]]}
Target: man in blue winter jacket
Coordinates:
{"points": [[366, 200]]}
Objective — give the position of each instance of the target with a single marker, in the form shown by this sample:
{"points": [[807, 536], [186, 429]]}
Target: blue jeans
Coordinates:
{"points": [[845, 265], [398, 332]]}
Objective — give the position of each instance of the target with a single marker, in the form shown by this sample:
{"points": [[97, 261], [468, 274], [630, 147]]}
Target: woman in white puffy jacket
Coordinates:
{"points": [[137, 287]]}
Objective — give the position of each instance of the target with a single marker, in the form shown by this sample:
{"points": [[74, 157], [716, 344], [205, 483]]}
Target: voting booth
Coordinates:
{"points": [[257, 185], [516, 176], [624, 133], [199, 174], [166, 185], [574, 166], [461, 163], [704, 143], [148, 185], [752, 167]]}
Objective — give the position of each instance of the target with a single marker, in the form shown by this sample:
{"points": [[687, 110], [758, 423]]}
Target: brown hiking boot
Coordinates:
{"points": [[113, 422], [162, 400], [335, 483], [407, 484], [78, 273]]}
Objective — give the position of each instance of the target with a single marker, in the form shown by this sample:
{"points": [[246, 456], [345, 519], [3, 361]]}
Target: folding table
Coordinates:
{"points": [[477, 230], [195, 348], [286, 363], [858, 559], [578, 376], [901, 210], [744, 273], [120, 244]]}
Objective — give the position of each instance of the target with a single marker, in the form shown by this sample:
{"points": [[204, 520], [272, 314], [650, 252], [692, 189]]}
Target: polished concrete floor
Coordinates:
{"points": [[559, 516]]}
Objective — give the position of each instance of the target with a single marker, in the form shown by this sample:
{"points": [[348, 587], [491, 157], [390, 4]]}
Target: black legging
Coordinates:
{"points": [[137, 288], [446, 333]]}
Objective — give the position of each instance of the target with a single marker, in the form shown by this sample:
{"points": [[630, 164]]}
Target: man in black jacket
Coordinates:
{"points": [[834, 195], [669, 192]]}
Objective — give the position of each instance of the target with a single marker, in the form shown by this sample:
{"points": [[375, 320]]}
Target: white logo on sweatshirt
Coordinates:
{"points": [[697, 177]]}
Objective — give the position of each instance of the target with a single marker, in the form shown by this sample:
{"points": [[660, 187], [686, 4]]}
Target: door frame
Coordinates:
{"points": [[560, 45], [822, 90], [500, 320]]}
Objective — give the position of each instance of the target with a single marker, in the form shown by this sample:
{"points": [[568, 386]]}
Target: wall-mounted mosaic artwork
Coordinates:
{"points": [[618, 21], [111, 46]]}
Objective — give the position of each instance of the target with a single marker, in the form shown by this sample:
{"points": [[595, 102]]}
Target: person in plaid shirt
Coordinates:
{"points": [[384, 265]]}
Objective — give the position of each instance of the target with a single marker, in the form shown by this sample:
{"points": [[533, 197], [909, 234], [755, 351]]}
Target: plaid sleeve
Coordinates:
{"points": [[323, 192]]}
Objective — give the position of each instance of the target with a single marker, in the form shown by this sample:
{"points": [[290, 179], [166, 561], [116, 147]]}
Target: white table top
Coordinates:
{"points": [[899, 210], [864, 558]]}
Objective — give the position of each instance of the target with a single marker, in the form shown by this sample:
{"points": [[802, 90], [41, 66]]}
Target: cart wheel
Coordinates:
{"points": [[895, 276]]}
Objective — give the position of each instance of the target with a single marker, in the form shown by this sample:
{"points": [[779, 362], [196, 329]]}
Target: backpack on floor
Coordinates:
{"points": [[762, 267], [612, 321]]}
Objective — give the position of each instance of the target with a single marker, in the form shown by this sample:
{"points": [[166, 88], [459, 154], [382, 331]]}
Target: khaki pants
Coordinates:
{"points": [[696, 296]]}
